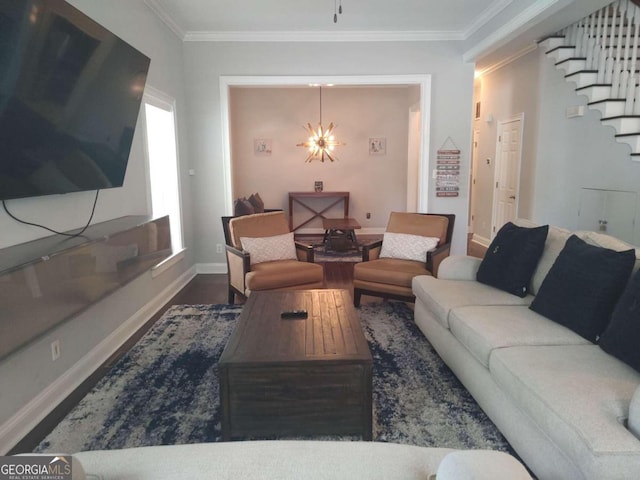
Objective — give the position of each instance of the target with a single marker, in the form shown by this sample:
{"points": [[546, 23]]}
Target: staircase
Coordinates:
{"points": [[600, 55]]}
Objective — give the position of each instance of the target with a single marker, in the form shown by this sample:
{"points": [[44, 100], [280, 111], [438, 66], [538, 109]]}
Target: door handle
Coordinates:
{"points": [[512, 197]]}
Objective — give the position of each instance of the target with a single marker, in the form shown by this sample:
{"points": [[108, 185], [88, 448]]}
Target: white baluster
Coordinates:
{"points": [[629, 97], [602, 62], [636, 105]]}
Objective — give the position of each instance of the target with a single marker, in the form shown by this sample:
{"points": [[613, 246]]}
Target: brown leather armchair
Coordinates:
{"points": [[244, 277], [391, 277]]}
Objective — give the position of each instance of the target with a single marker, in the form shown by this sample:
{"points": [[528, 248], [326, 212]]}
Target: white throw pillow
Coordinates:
{"points": [[269, 249], [405, 246]]}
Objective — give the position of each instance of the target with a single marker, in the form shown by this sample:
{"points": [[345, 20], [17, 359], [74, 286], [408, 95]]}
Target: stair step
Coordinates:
{"points": [[631, 139], [571, 65], [552, 42], [635, 157], [561, 53], [583, 78], [609, 107], [624, 124], [595, 92]]}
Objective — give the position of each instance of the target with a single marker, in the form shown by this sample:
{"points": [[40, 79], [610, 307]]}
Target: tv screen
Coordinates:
{"points": [[70, 93]]}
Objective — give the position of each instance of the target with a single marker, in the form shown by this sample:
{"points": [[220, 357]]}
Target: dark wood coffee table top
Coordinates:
{"points": [[332, 330]]}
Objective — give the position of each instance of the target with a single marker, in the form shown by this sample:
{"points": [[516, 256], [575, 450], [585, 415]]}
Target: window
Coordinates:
{"points": [[162, 158]]}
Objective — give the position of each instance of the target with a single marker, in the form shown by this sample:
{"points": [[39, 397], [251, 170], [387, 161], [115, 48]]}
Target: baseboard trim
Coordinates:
{"points": [[29, 416], [485, 242], [210, 268]]}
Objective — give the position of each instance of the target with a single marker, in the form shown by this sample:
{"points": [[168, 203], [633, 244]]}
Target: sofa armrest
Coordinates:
{"points": [[459, 267], [305, 252], [371, 251], [436, 256], [481, 465]]}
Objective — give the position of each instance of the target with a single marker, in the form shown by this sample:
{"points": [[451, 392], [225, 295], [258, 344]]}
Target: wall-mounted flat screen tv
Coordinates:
{"points": [[70, 93]]}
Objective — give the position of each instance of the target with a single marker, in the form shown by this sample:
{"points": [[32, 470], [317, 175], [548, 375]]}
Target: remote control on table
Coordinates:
{"points": [[294, 314]]}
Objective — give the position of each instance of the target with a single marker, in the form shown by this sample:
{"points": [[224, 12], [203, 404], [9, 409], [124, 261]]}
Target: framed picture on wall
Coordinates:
{"points": [[377, 146], [262, 146]]}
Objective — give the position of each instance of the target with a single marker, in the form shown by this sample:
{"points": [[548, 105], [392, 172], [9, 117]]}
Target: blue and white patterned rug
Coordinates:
{"points": [[165, 390]]}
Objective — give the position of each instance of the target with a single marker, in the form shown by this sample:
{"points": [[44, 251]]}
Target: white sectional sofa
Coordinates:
{"points": [[559, 399], [308, 460]]}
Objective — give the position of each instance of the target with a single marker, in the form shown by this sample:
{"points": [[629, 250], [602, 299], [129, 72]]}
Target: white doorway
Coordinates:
{"points": [[507, 172], [472, 180], [413, 157]]}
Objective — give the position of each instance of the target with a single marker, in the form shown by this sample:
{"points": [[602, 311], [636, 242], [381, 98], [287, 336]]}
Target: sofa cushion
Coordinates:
{"points": [[512, 257], [579, 396], [284, 274], [405, 246], [441, 296], [583, 286], [269, 249], [613, 243], [622, 337], [486, 328]]}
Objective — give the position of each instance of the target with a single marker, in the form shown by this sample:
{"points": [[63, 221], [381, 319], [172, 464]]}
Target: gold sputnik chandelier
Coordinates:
{"points": [[322, 142]]}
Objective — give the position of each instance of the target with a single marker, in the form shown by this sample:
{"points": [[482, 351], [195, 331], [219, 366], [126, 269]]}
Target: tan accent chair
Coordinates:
{"points": [[391, 277], [274, 275]]}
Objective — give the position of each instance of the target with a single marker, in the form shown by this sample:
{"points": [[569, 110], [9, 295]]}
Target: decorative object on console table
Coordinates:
{"points": [[448, 170], [318, 186]]}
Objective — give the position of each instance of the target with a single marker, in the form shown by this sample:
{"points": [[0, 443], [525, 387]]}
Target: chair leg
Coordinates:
{"points": [[232, 296], [356, 297]]}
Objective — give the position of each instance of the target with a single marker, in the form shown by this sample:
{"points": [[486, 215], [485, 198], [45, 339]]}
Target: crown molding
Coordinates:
{"points": [[506, 61], [485, 17], [324, 36], [499, 36], [162, 14]]}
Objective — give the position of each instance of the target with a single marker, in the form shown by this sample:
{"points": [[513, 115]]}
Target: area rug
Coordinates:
{"points": [[322, 255], [165, 390]]}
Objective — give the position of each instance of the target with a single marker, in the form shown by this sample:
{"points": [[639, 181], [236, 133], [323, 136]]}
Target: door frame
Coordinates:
{"points": [[497, 164], [422, 80]]}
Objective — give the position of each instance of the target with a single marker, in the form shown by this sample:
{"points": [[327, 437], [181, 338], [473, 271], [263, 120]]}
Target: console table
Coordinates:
{"points": [[46, 281], [300, 197]]}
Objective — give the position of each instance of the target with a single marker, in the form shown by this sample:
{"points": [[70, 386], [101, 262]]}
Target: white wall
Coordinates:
{"points": [[452, 84], [377, 183], [560, 155], [29, 372]]}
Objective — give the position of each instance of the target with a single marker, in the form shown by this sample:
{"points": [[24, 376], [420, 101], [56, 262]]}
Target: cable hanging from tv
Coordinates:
{"points": [[72, 235]]}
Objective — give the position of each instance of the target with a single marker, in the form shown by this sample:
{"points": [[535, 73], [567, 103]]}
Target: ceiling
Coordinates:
{"points": [[489, 30]]}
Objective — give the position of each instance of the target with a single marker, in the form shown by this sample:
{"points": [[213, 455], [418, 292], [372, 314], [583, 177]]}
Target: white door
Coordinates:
{"points": [[507, 172]]}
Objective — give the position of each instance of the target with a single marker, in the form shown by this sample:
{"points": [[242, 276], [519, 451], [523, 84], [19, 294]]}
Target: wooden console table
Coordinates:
{"points": [[300, 197]]}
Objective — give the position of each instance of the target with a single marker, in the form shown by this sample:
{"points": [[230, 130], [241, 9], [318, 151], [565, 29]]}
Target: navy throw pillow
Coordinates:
{"points": [[622, 337], [512, 258], [583, 286]]}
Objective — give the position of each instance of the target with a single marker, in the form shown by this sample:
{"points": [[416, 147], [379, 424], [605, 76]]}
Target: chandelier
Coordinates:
{"points": [[322, 142]]}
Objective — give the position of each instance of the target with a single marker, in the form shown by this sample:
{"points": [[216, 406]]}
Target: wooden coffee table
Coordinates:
{"points": [[306, 376]]}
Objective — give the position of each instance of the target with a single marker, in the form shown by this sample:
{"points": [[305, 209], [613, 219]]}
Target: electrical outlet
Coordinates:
{"points": [[55, 350], [368, 215], [219, 248]]}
